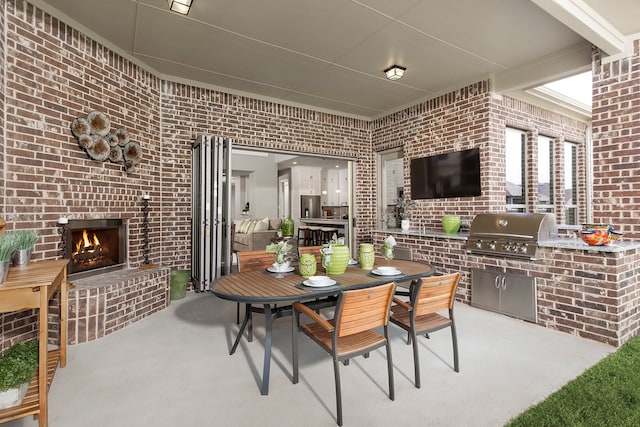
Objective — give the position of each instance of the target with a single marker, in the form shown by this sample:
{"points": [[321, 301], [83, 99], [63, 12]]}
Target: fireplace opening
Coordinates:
{"points": [[94, 246]]}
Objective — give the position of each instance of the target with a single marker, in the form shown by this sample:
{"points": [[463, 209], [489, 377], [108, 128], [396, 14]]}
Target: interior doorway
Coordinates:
{"points": [[391, 184]]}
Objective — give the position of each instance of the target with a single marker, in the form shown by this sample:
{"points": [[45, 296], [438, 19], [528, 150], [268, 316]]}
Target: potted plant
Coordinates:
{"points": [[25, 241], [7, 247], [403, 211], [18, 365]]}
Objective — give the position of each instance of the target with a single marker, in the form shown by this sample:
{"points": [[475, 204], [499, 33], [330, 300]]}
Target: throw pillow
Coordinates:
{"points": [[262, 225], [252, 225], [244, 228]]}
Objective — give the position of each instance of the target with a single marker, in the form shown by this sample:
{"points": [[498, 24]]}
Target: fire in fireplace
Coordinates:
{"points": [[95, 246]]}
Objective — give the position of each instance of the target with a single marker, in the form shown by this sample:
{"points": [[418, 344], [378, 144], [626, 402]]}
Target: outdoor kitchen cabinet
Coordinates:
{"points": [[510, 294]]}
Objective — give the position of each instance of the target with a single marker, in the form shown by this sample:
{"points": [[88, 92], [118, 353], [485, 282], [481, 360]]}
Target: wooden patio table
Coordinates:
{"points": [[269, 290]]}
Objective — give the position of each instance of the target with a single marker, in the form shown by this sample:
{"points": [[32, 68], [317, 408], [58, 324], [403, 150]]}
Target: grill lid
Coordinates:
{"points": [[510, 234]]}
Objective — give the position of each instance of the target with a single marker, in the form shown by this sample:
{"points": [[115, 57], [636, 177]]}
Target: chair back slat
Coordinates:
{"points": [[255, 260], [436, 293], [363, 309], [403, 253], [315, 250]]}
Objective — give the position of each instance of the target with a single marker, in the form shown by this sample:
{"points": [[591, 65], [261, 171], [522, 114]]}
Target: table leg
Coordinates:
{"points": [[268, 319], [247, 316], [43, 336]]}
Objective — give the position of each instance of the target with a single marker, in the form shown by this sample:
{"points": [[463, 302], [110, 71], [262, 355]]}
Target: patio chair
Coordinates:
{"points": [[404, 254], [315, 250], [420, 315], [351, 333], [250, 261]]}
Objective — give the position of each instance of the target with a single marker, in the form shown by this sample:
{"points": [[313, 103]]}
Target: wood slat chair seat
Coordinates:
{"points": [[351, 333], [420, 315]]}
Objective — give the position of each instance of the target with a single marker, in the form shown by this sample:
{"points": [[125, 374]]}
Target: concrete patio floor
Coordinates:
{"points": [[173, 369]]}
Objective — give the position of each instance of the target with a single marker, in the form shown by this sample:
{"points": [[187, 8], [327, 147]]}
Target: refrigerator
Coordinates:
{"points": [[310, 207]]}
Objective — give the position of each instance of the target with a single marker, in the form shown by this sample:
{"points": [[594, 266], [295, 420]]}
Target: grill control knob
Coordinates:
{"points": [[492, 245], [478, 244]]}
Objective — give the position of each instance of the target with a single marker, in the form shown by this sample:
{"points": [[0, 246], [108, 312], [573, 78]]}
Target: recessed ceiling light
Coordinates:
{"points": [[395, 72], [180, 6]]}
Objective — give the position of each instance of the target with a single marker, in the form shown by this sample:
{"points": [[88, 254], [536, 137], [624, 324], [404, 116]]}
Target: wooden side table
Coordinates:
{"points": [[32, 287]]}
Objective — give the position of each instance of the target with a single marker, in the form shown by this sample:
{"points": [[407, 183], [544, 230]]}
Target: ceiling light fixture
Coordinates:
{"points": [[180, 6], [395, 72]]}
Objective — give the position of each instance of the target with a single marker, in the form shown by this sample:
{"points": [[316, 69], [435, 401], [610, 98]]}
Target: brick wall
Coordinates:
{"points": [[587, 293], [103, 304], [472, 117], [189, 111], [2, 106], [616, 141], [54, 73]]}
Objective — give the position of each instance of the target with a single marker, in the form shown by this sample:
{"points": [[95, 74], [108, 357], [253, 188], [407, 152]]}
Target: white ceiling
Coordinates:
{"points": [[330, 54]]}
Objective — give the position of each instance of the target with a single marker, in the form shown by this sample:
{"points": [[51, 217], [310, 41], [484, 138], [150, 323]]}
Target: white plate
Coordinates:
{"points": [[329, 282], [286, 270], [386, 273], [352, 262]]}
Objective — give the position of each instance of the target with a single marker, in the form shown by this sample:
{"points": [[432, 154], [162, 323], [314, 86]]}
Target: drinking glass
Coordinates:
{"points": [[387, 253], [280, 260]]}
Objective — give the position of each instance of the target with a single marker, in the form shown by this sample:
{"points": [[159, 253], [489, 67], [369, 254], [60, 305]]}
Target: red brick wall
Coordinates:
{"points": [[2, 108], [54, 74], [616, 141], [472, 117], [189, 111], [586, 293]]}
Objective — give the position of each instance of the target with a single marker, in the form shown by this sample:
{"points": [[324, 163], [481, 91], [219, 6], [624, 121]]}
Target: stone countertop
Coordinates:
{"points": [[558, 243], [327, 221], [575, 243], [424, 233]]}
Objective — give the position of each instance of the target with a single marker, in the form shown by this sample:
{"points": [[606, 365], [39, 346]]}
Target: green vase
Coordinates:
{"points": [[339, 259], [451, 224], [179, 279], [287, 227], [307, 265], [367, 256]]}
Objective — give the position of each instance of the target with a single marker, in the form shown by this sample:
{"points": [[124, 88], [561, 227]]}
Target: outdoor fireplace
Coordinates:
{"points": [[94, 246]]}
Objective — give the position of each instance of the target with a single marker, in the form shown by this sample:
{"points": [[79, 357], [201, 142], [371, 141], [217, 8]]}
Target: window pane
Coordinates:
{"points": [[515, 167], [571, 183], [545, 172]]}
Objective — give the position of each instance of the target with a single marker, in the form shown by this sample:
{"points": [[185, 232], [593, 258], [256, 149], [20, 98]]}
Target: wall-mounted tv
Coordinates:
{"points": [[455, 174]]}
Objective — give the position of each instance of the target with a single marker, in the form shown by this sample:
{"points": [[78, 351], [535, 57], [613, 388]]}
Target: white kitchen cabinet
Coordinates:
{"points": [[310, 180], [343, 186]]}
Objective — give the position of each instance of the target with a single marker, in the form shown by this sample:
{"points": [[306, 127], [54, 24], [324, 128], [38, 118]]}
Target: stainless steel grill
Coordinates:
{"points": [[510, 234]]}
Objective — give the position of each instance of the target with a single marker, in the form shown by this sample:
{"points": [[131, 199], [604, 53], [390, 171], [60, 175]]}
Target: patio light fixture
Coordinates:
{"points": [[180, 6], [395, 72]]}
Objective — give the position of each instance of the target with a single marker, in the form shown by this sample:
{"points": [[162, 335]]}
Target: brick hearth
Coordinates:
{"points": [[105, 303]]}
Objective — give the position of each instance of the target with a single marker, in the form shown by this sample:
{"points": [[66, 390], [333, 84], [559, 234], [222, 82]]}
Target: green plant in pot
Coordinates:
{"points": [[25, 242], [7, 248], [18, 365]]}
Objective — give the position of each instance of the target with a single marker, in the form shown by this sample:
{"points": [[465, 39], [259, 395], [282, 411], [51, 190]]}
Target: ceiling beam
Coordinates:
{"points": [[587, 22], [561, 64]]}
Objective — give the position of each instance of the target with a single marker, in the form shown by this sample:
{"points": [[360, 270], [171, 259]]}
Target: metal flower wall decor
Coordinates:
{"points": [[93, 134]]}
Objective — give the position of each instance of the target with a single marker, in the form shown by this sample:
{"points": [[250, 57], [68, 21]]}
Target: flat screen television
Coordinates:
{"points": [[454, 174]]}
